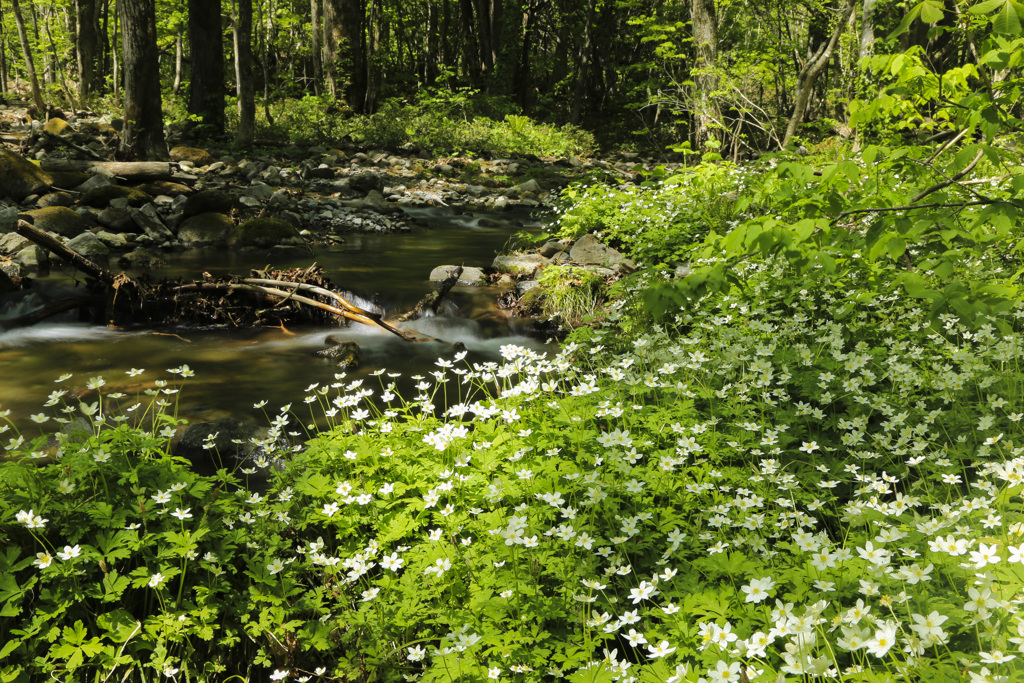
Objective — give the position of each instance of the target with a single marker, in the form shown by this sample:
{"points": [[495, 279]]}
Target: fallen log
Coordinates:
{"points": [[78, 148], [129, 170]]}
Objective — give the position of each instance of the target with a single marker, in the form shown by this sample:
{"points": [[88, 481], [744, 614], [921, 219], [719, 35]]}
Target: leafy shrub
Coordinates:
{"points": [[570, 294]]}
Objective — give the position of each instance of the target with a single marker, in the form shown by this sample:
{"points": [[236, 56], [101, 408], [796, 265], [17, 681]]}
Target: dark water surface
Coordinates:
{"points": [[237, 368]]}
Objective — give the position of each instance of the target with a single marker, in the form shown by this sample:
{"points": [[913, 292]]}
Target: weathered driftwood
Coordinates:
{"points": [[129, 170]]}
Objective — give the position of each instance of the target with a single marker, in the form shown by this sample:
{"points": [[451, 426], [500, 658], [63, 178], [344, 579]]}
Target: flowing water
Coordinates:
{"points": [[236, 368]]}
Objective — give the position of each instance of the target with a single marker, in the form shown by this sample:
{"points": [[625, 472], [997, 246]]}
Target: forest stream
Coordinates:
{"points": [[237, 368]]}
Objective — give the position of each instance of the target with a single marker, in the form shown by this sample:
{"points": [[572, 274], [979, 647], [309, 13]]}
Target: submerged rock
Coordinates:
{"points": [[265, 233], [345, 353], [206, 228], [469, 276]]}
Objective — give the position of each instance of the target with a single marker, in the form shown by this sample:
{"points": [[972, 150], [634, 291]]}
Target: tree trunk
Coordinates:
{"points": [[471, 54], [179, 59], [585, 59], [707, 115], [30, 67], [58, 67], [3, 55], [346, 51], [143, 133], [206, 86], [867, 29], [809, 74], [88, 47], [243, 74], [114, 60], [317, 31]]}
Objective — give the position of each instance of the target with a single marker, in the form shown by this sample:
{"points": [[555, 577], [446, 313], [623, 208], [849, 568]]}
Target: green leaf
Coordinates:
{"points": [[1006, 20], [896, 247], [931, 12], [905, 24]]}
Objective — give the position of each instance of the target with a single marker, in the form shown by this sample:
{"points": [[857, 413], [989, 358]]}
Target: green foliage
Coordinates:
{"points": [[660, 220], [570, 293]]}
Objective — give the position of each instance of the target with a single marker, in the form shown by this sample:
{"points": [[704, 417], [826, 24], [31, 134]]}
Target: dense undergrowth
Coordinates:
{"points": [[757, 489]]}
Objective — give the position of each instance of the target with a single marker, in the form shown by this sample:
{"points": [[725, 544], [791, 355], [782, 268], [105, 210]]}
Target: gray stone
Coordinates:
{"points": [[56, 199], [118, 220], [259, 191], [524, 286], [33, 258], [149, 222], [111, 240], [12, 243], [119, 202], [530, 185], [96, 181], [375, 201], [520, 264], [588, 250], [366, 181], [500, 203], [141, 258], [8, 219], [248, 202], [88, 245], [469, 276], [550, 248]]}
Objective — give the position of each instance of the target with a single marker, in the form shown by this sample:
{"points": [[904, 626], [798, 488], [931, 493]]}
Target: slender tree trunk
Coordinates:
{"points": [[57, 65], [809, 74], [243, 74], [3, 54], [585, 59], [707, 117], [143, 133], [471, 51], [114, 59], [88, 46], [264, 35], [179, 62], [373, 57], [206, 85], [867, 29], [26, 51], [316, 29]]}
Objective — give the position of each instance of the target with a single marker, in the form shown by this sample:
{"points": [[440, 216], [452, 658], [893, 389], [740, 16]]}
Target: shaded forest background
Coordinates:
{"points": [[741, 76]]}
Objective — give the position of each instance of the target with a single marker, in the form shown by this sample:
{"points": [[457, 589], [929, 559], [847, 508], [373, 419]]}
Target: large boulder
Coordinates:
{"points": [[58, 219], [100, 197], [208, 201], [589, 251], [520, 264], [265, 233], [148, 220], [88, 245], [366, 181], [57, 126], [116, 219], [197, 156], [20, 178], [206, 228], [469, 276]]}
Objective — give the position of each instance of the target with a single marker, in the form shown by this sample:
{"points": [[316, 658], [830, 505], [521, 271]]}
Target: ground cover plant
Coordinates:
{"points": [[756, 489]]}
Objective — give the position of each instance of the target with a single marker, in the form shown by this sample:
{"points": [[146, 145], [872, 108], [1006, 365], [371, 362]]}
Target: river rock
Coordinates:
{"points": [[148, 220], [208, 201], [551, 247], [233, 440], [58, 219], [111, 240], [20, 178], [374, 201], [530, 186], [366, 181], [469, 276], [8, 219], [259, 191], [206, 228], [520, 264], [95, 181], [345, 353], [33, 257], [100, 197], [12, 243], [193, 155], [166, 188], [141, 259], [264, 233], [588, 250], [88, 245], [116, 219], [56, 199]]}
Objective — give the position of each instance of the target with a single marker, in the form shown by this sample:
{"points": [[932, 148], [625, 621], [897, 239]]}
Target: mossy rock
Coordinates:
{"points": [[199, 157], [58, 219], [57, 127], [20, 178], [56, 199], [99, 197], [206, 228], [165, 188], [264, 233], [208, 201], [68, 178]]}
